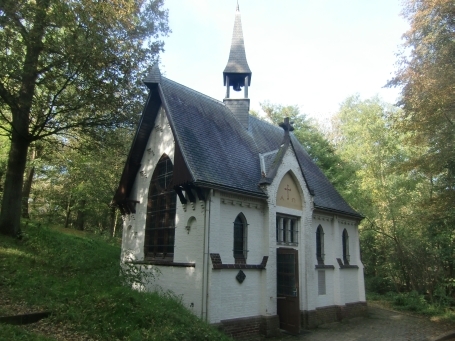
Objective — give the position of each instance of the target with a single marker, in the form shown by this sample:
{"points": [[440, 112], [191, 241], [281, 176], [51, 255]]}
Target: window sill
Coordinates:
{"points": [[218, 264], [162, 263], [346, 266], [349, 267], [287, 243], [322, 266]]}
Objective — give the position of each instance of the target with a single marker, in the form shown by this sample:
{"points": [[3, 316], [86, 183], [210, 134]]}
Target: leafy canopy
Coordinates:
{"points": [[73, 64]]}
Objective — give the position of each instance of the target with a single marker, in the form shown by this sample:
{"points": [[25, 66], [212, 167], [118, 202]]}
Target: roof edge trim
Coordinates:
{"points": [[172, 125]]}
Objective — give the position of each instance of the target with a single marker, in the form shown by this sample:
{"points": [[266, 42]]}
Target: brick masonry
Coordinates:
{"points": [[240, 108], [249, 328], [335, 313]]}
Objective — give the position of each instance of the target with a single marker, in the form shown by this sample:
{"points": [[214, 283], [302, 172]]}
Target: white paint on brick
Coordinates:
{"points": [[225, 297]]}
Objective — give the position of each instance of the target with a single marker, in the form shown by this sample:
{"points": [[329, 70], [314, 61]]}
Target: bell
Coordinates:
{"points": [[236, 86]]}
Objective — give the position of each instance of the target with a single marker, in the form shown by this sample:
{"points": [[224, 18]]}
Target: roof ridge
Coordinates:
{"points": [[187, 87]]}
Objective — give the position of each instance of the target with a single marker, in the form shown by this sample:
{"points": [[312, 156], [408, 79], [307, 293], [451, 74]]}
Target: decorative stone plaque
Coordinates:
{"points": [[240, 276]]}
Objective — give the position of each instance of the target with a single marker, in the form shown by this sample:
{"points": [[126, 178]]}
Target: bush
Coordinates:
{"points": [[378, 285]]}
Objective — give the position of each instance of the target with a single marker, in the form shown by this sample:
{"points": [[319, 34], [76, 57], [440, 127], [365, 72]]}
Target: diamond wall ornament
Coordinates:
{"points": [[240, 276]]}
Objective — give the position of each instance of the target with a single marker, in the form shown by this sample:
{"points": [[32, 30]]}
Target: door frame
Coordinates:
{"points": [[288, 296]]}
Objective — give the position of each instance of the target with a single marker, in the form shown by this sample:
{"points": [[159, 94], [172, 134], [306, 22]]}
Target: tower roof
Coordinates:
{"points": [[237, 63]]}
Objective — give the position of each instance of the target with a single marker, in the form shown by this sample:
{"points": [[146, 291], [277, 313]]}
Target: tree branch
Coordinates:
{"points": [[7, 97], [15, 19], [37, 129]]}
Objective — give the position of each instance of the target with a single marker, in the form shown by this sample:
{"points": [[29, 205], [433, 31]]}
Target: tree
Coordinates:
{"points": [[426, 75], [365, 138], [313, 140], [67, 67], [403, 242], [4, 146]]}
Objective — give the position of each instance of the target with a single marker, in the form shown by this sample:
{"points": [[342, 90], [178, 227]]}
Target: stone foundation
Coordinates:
{"points": [[335, 313], [249, 328]]}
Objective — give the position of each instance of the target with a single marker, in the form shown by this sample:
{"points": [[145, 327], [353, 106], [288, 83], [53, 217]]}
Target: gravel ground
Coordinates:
{"points": [[381, 325]]}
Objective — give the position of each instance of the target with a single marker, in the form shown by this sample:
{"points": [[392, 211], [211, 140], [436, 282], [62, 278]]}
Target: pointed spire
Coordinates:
{"points": [[154, 76], [237, 64]]}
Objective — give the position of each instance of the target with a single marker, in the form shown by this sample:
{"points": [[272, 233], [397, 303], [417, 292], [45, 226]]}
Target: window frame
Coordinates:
{"points": [[287, 229], [320, 255], [240, 236], [159, 241], [345, 245]]}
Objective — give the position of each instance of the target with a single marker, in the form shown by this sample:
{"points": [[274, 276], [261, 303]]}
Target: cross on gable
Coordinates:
{"points": [[286, 125], [288, 190]]}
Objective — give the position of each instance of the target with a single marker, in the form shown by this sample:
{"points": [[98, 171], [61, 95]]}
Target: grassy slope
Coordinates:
{"points": [[77, 278]]}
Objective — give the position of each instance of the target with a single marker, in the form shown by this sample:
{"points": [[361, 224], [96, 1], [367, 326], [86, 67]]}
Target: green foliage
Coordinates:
{"points": [[77, 277], [313, 140], [415, 303], [78, 182], [69, 69], [426, 75], [407, 244], [4, 147], [425, 128], [15, 333]]}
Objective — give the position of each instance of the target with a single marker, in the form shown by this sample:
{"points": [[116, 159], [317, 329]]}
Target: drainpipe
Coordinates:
{"points": [[206, 263]]}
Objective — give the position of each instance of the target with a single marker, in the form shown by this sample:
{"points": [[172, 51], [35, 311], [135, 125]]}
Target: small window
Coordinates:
{"points": [[240, 239], [320, 245], [287, 230], [161, 207], [346, 257]]}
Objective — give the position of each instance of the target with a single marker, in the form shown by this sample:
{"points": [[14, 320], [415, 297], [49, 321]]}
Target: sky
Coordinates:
{"points": [[310, 53]]}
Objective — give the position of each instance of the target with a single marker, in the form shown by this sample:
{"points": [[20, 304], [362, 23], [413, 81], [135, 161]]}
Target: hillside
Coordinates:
{"points": [[76, 277]]}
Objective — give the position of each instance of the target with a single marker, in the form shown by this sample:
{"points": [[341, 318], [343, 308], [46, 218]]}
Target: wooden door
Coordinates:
{"points": [[288, 306]]}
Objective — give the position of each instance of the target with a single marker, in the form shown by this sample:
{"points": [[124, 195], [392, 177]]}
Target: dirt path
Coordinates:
{"points": [[381, 325]]}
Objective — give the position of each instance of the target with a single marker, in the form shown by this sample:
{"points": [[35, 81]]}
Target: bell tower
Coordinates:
{"points": [[237, 74]]}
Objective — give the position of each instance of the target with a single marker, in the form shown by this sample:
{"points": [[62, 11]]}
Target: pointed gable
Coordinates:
{"points": [[288, 194]]}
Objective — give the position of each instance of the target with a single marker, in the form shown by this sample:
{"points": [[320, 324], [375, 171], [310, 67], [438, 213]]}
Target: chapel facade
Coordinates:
{"points": [[238, 219]]}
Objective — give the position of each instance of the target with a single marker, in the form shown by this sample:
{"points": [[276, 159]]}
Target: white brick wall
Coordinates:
{"points": [[289, 163], [257, 294], [183, 281], [228, 298]]}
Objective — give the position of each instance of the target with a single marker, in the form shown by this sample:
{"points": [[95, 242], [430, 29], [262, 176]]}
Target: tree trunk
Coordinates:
{"points": [[26, 192], [21, 104], [80, 216], [68, 212], [113, 221], [12, 196], [115, 224]]}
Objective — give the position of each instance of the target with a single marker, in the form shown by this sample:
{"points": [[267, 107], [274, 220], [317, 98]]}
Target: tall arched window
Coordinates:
{"points": [[240, 239], [320, 245], [346, 256], [160, 222]]}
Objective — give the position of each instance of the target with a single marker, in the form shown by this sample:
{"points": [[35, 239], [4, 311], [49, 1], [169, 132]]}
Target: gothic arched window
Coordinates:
{"points": [[161, 204], [320, 244], [346, 256], [240, 239]]}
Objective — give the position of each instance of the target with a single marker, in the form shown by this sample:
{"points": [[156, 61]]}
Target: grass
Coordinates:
{"points": [[414, 303], [8, 332], [76, 277]]}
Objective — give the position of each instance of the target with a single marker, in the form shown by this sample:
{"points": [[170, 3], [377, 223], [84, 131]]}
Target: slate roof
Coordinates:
{"points": [[237, 62], [218, 151]]}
